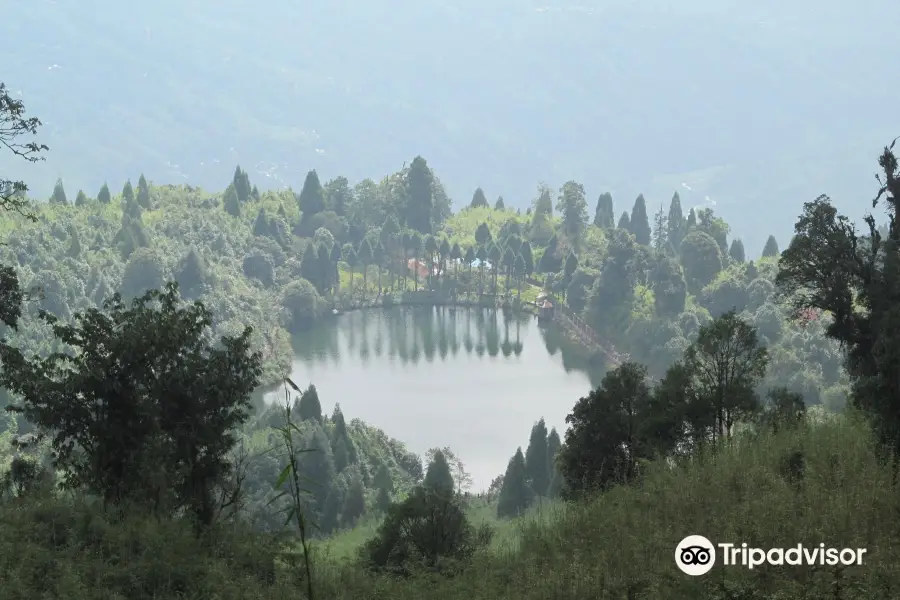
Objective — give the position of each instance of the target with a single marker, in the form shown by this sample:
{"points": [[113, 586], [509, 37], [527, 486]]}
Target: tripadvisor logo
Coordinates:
{"points": [[696, 555]]}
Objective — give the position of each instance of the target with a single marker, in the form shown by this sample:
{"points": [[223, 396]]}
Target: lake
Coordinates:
{"points": [[475, 380]]}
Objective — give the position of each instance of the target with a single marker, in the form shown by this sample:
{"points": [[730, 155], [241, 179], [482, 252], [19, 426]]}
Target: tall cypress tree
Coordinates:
{"points": [[771, 247], [640, 222], [479, 200], [143, 193], [605, 216], [103, 196], [438, 477], [625, 222], [736, 252], [515, 494], [311, 200], [676, 222], [420, 196], [537, 466], [59, 194], [309, 407]]}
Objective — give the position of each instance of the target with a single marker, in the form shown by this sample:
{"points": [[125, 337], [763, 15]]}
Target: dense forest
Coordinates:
{"points": [[744, 397]]}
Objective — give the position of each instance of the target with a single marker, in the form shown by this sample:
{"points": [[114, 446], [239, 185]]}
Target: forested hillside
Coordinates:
{"points": [[724, 97], [754, 398]]}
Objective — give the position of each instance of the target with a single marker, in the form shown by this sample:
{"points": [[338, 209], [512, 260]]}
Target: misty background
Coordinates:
{"points": [[749, 108]]}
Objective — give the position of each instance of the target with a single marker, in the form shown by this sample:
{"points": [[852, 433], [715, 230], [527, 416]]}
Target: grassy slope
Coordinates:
{"points": [[620, 540]]}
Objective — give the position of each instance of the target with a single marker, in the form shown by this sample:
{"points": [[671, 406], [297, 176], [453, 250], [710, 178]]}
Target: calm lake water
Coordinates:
{"points": [[475, 380]]}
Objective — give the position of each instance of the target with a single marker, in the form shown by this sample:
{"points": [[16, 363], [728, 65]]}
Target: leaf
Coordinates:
{"points": [[290, 515], [278, 496], [282, 477], [293, 385]]}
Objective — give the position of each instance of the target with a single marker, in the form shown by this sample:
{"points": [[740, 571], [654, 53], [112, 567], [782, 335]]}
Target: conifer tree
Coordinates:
{"points": [[241, 183], [143, 193], [311, 200], [438, 477], [771, 248], [625, 222], [640, 223], [310, 409], [515, 494], [127, 193], [59, 194], [604, 215], [103, 196], [736, 252], [537, 465], [419, 196], [231, 202], [556, 479], [499, 205], [479, 200], [675, 222], [261, 225], [81, 199], [190, 273]]}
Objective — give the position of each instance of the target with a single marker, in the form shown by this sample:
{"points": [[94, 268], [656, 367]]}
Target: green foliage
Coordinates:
{"points": [[156, 377], [605, 215], [771, 248], [515, 494], [639, 223]]}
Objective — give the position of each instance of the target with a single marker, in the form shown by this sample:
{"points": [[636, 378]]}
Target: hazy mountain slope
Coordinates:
{"points": [[779, 104]]}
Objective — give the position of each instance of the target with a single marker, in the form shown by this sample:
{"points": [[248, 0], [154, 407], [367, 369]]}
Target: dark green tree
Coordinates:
{"points": [[482, 234], [675, 222], [420, 196], [59, 194], [736, 252], [231, 202], [556, 479], [438, 477], [311, 200], [499, 205], [603, 443], [309, 408], [604, 215], [191, 274], [261, 225], [771, 248], [241, 182], [479, 200], [81, 199], [515, 494], [624, 222], [572, 207], [640, 223], [543, 204], [147, 410], [143, 193], [537, 466], [338, 195], [103, 196], [701, 259]]}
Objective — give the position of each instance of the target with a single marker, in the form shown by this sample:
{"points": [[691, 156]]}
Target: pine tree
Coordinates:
{"points": [[736, 252], [625, 222], [544, 203], [354, 502], [310, 409], [640, 223], [604, 215], [127, 193], [311, 200], [261, 225], [81, 198], [553, 445], [231, 202], [537, 466], [515, 494], [479, 200], [59, 194], [690, 224], [75, 246], [103, 196], [241, 183], [771, 248], [254, 193], [143, 193], [419, 196], [676, 223], [660, 231], [499, 205], [190, 273], [438, 477]]}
